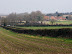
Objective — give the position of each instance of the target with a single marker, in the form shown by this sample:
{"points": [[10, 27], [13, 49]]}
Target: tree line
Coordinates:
{"points": [[13, 18]]}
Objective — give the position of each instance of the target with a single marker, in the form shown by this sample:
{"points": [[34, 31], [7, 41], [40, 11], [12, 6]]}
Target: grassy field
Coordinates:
{"points": [[66, 22], [14, 43], [47, 27], [63, 22]]}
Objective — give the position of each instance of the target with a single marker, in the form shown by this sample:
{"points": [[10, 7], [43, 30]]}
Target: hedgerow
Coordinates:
{"points": [[64, 32]]}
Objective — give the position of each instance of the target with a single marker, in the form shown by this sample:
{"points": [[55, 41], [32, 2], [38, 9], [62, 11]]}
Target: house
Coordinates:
{"points": [[68, 17], [61, 18], [3, 16], [47, 18], [53, 17]]}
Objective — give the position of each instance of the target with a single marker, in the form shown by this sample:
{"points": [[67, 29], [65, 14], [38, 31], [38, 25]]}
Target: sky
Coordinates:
{"points": [[45, 6]]}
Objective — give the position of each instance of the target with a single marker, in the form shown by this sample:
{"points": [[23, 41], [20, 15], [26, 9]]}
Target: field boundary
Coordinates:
{"points": [[42, 25], [63, 32]]}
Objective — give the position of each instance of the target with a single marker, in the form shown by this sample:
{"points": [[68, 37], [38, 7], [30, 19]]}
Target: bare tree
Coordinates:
{"points": [[37, 16], [52, 21], [4, 21], [12, 19]]}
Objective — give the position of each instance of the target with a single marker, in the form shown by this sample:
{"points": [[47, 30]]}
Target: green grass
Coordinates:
{"points": [[66, 22], [47, 27], [15, 43]]}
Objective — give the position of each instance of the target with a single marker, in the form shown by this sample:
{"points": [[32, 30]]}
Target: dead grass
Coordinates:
{"points": [[14, 43]]}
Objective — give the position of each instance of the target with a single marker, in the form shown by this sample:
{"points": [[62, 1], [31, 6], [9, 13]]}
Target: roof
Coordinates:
{"points": [[46, 17], [55, 18]]}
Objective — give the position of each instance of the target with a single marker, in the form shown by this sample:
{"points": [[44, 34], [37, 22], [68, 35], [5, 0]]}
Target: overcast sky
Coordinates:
{"points": [[46, 6]]}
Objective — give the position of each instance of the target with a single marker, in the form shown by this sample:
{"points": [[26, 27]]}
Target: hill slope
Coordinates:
{"points": [[14, 43]]}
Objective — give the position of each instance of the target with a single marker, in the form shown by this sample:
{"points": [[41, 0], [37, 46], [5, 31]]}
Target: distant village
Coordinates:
{"points": [[58, 16], [33, 18], [55, 16]]}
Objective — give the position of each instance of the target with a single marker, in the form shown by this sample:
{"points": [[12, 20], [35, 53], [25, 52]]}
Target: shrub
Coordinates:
{"points": [[64, 32]]}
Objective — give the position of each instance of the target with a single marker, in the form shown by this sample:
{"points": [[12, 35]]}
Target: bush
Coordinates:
{"points": [[64, 32]]}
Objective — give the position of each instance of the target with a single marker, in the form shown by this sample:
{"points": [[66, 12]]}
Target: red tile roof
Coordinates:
{"points": [[46, 17], [52, 17], [55, 18]]}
